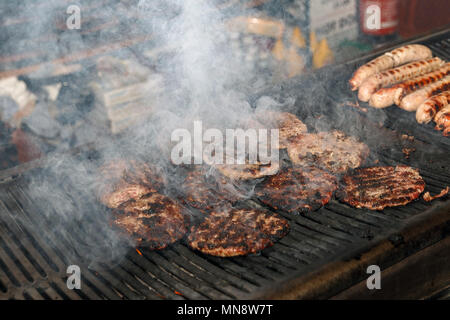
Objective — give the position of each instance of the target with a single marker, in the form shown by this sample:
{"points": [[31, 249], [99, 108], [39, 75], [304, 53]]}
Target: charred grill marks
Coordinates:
{"points": [[379, 187], [297, 190], [332, 151], [154, 221], [122, 180], [234, 232], [207, 192]]}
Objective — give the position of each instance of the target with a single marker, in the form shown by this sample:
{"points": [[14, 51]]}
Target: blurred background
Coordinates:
{"points": [[63, 85]]}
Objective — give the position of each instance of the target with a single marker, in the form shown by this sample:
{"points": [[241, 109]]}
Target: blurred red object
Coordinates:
{"points": [[27, 150], [379, 17], [419, 16]]}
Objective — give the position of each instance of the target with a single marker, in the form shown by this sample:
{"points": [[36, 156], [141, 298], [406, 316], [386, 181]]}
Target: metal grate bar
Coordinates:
{"points": [[212, 285]]}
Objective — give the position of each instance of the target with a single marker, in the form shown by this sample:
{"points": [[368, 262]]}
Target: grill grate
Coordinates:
{"points": [[33, 264]]}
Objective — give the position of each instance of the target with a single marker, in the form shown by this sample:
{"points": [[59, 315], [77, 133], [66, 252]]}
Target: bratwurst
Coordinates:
{"points": [[412, 101], [392, 76], [388, 96], [427, 110], [389, 60], [442, 120]]}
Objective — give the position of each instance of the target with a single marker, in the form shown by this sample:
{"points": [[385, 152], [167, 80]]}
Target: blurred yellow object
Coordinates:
{"points": [[313, 41], [289, 42], [295, 62], [322, 55], [297, 38], [278, 50], [261, 26]]}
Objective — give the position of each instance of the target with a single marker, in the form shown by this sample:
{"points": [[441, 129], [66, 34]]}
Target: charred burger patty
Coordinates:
{"points": [[248, 171], [235, 232], [288, 124], [154, 221], [124, 192], [376, 188], [205, 192], [122, 180], [298, 189], [332, 151]]}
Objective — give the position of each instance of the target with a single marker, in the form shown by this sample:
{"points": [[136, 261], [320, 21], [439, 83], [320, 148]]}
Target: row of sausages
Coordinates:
{"points": [[410, 78]]}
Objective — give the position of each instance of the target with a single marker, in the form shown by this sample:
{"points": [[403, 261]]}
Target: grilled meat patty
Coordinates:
{"points": [[248, 171], [332, 151], [205, 192], [298, 189], [288, 124], [376, 188], [122, 180], [124, 192], [235, 232], [154, 221]]}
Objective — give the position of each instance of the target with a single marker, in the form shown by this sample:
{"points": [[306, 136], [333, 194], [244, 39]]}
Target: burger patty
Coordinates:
{"points": [[236, 232], [132, 172], [332, 151], [297, 190], [154, 221], [124, 192], [288, 124], [122, 180], [248, 171], [206, 192], [379, 187]]}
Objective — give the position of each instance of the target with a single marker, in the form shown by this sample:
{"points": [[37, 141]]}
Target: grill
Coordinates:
{"points": [[325, 252]]}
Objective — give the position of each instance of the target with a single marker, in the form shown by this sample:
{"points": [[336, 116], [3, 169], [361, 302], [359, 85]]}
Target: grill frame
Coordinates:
{"points": [[325, 252]]}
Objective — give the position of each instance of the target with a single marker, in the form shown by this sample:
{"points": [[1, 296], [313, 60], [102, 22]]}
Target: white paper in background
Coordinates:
{"points": [[335, 20]]}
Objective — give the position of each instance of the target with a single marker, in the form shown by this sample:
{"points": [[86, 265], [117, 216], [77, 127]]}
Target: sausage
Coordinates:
{"points": [[389, 60], [445, 109], [392, 76], [446, 132], [442, 119], [427, 110], [413, 100], [388, 96], [444, 124], [420, 82], [383, 98], [379, 64]]}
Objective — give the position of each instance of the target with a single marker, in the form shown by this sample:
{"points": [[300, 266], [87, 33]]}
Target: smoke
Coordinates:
{"points": [[203, 72], [204, 80]]}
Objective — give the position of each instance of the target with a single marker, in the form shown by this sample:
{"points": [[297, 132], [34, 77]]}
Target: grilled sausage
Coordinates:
{"points": [[392, 76], [388, 96], [421, 82], [389, 60], [427, 110], [413, 100], [442, 119]]}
